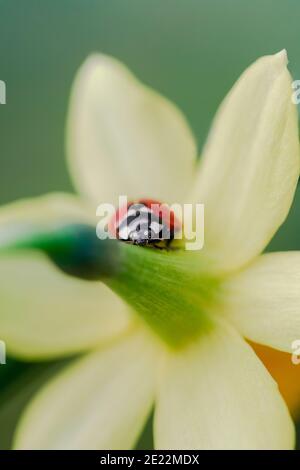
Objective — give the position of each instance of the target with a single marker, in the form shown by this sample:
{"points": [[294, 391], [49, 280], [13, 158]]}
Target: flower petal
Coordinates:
{"points": [[125, 139], [217, 395], [284, 372], [43, 312], [250, 164], [100, 402], [263, 301]]}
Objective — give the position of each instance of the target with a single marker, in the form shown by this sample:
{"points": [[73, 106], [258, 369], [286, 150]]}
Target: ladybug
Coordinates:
{"points": [[144, 222]]}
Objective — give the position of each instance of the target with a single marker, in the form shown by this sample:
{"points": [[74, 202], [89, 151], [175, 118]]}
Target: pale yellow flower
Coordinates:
{"points": [[212, 392]]}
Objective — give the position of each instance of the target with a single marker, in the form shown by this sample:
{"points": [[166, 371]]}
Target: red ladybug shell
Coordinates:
{"points": [[160, 210]]}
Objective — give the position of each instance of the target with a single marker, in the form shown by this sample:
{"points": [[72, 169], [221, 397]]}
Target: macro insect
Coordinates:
{"points": [[145, 222]]}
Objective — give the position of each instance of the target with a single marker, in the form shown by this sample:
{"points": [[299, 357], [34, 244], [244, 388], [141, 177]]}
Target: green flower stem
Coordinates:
{"points": [[170, 290], [74, 248]]}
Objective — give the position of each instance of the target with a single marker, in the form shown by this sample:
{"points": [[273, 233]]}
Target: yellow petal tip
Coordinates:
{"points": [[282, 57]]}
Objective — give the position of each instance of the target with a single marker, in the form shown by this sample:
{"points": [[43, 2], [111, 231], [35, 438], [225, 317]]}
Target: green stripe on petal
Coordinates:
{"points": [[171, 290], [100, 402]]}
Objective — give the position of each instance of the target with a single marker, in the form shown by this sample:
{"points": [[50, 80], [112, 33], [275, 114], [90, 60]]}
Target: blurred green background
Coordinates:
{"points": [[190, 50]]}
